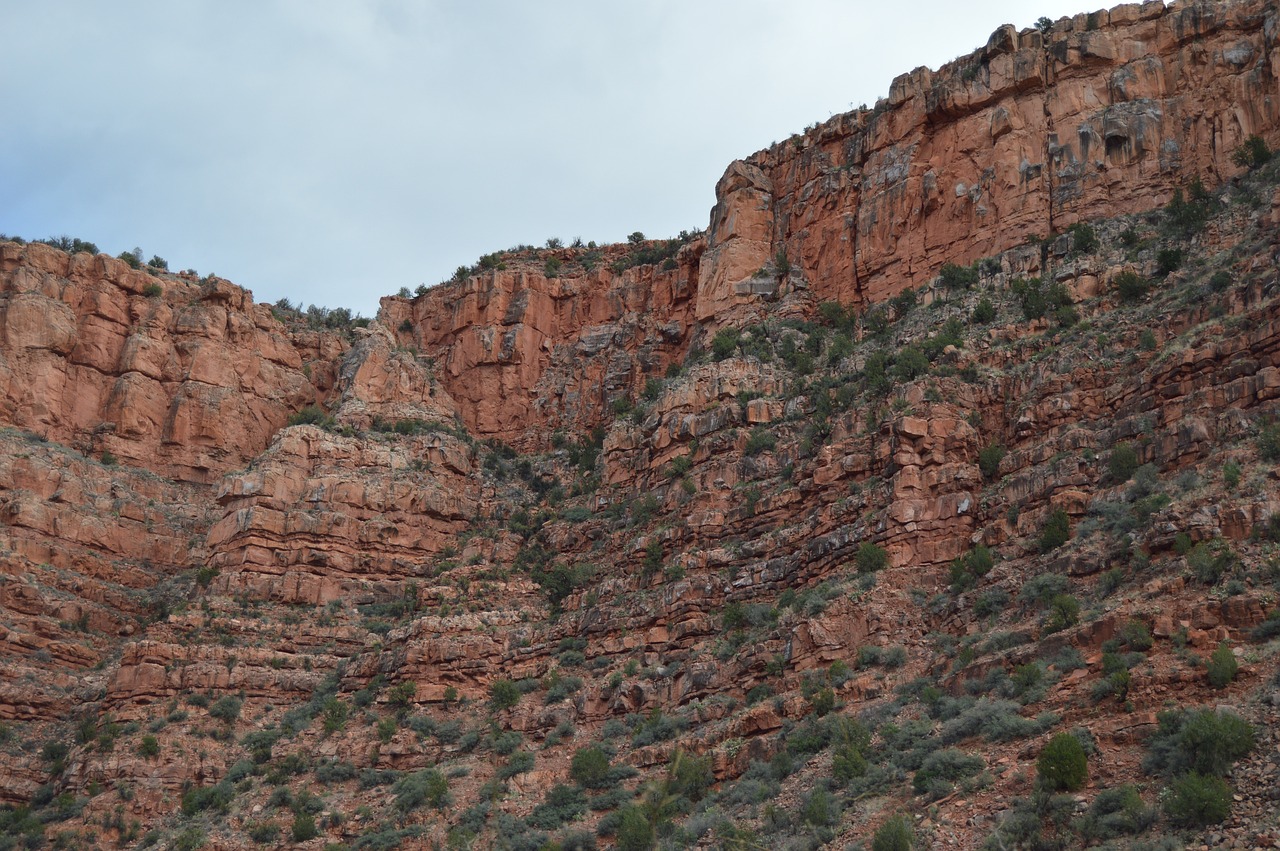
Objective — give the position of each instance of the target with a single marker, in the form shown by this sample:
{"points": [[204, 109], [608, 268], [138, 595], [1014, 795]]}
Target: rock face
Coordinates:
{"points": [[1108, 113], [189, 379], [653, 495]]}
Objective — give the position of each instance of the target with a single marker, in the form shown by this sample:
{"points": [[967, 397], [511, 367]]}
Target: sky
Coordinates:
{"points": [[333, 151]]}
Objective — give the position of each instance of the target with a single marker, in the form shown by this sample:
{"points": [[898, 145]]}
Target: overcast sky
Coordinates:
{"points": [[332, 151]]}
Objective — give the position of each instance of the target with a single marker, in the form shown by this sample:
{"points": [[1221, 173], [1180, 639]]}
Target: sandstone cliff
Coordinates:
{"points": [[691, 507]]}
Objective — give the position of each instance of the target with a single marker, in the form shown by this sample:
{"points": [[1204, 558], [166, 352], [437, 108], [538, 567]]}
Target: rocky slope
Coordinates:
{"points": [[843, 508]]}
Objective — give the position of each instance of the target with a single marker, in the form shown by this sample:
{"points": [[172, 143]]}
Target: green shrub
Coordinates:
{"points": [[822, 701], [503, 694], [1252, 154], [149, 747], [1122, 462], [1037, 299], [1167, 261], [634, 831], [312, 415], [1130, 286], [189, 839], [941, 769], [895, 834], [520, 762], [820, 809], [1064, 611], [1115, 813], [1203, 741], [725, 343], [1056, 531], [1209, 560], [226, 708], [760, 440], [983, 312], [956, 277], [989, 460], [428, 786], [1222, 667], [153, 290], [1063, 764], [1196, 800], [304, 827], [1136, 636], [969, 568], [1185, 215], [1084, 239], [871, 558], [562, 804], [910, 364], [264, 832], [217, 797], [1269, 442], [590, 768]]}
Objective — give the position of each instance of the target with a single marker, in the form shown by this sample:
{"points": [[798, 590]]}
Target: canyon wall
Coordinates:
{"points": [[1107, 113]]}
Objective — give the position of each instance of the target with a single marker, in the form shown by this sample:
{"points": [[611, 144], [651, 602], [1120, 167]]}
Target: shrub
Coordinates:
{"points": [[428, 786], [822, 701], [1253, 153], [968, 569], [1209, 560], [1136, 636], [1167, 260], [1114, 813], [311, 415], [263, 832], [761, 440], [1222, 667], [1196, 800], [153, 290], [911, 363], [820, 809], [1062, 764], [1037, 299], [561, 804], [941, 769], [634, 831], [1130, 286], [989, 460], [226, 708], [1122, 463], [1056, 531], [590, 768], [871, 558], [1204, 741], [1269, 442], [983, 312], [725, 343], [1064, 611], [894, 835], [304, 827], [503, 694], [955, 277], [149, 747], [1185, 215], [1084, 239], [520, 762]]}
